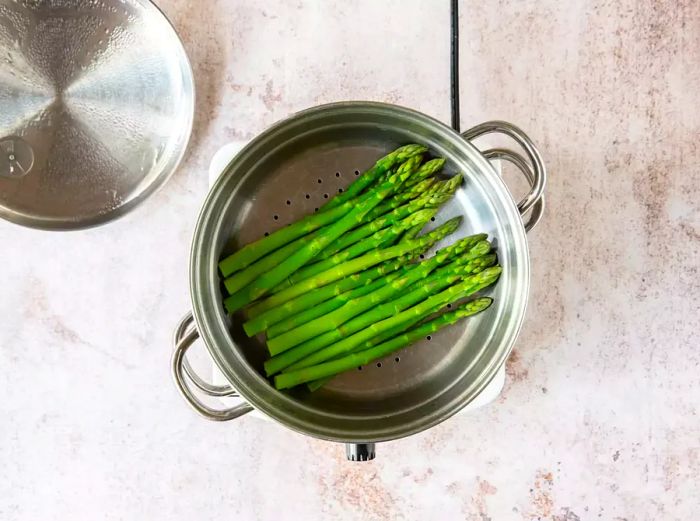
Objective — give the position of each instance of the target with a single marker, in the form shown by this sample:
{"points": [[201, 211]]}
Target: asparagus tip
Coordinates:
{"points": [[474, 306]]}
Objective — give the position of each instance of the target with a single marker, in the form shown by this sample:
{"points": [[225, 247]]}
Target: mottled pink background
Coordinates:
{"points": [[599, 416]]}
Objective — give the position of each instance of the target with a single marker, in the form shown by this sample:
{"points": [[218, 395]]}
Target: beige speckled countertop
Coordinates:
{"points": [[599, 416]]}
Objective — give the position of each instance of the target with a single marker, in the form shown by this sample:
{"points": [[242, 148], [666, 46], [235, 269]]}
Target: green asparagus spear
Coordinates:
{"points": [[387, 335], [412, 233], [296, 315], [375, 173], [332, 321], [382, 221], [335, 209], [437, 189], [356, 235], [422, 187], [316, 372], [306, 353], [356, 265], [418, 311], [263, 284], [379, 239], [391, 333], [451, 184], [262, 319], [421, 181], [253, 251], [329, 305], [490, 259], [426, 170], [242, 278]]}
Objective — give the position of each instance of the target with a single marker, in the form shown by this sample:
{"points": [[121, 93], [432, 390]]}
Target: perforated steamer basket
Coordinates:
{"points": [[290, 170]]}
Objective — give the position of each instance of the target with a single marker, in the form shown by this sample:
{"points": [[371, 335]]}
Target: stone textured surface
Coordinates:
{"points": [[599, 417]]}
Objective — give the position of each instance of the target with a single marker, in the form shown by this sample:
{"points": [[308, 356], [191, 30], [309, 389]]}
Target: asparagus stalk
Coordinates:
{"points": [[297, 313], [332, 321], [246, 276], [262, 320], [326, 307], [242, 278], [422, 187], [382, 221], [386, 336], [263, 284], [356, 265], [372, 175], [417, 312], [304, 354], [426, 170], [420, 182], [378, 239], [331, 368], [335, 209], [444, 189], [368, 229], [307, 353], [492, 258], [412, 233], [391, 333], [253, 251]]}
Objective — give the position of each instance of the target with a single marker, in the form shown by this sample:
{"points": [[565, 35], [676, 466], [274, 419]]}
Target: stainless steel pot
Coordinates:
{"points": [[290, 170]]}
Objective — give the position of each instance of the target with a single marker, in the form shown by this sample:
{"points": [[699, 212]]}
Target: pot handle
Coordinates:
{"points": [[182, 329], [360, 451], [534, 170], [185, 335]]}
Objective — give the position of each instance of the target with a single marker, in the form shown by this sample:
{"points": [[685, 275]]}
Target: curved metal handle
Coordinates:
{"points": [[177, 367], [504, 154], [534, 170], [181, 330]]}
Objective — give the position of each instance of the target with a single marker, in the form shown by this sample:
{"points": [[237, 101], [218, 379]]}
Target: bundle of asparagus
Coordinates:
{"points": [[343, 287]]}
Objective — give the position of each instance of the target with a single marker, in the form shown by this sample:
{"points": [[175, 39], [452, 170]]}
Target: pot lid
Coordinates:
{"points": [[96, 100]]}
